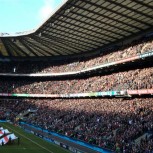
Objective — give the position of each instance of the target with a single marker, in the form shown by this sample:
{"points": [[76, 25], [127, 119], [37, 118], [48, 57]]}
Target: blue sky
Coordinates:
{"points": [[23, 15]]}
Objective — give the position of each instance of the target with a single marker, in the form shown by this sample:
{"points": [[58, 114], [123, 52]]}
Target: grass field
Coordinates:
{"points": [[29, 143]]}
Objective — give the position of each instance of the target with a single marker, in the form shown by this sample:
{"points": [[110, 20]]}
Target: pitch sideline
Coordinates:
{"points": [[30, 139]]}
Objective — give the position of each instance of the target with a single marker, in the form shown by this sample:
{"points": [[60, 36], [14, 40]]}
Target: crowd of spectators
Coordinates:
{"points": [[124, 52], [107, 123], [48, 67], [6, 107], [10, 108], [127, 80]]}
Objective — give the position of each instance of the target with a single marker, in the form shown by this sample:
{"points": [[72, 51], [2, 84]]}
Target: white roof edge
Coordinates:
{"points": [[24, 33]]}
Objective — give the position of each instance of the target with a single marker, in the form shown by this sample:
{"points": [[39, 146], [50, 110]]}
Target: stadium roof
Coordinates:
{"points": [[80, 26]]}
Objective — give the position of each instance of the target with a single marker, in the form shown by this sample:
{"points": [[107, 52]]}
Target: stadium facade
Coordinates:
{"points": [[86, 75]]}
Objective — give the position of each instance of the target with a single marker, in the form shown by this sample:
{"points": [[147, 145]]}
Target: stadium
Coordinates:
{"points": [[81, 82]]}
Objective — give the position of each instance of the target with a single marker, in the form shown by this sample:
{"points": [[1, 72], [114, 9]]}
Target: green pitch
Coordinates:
{"points": [[29, 143]]}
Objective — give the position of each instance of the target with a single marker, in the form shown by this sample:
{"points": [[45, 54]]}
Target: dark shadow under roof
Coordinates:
{"points": [[81, 26]]}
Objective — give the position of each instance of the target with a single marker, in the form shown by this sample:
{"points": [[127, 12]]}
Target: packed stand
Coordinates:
{"points": [[107, 123], [124, 52], [46, 67], [127, 80], [10, 108]]}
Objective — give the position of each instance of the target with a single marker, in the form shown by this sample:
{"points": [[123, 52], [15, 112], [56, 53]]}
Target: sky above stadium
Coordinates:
{"points": [[23, 15]]}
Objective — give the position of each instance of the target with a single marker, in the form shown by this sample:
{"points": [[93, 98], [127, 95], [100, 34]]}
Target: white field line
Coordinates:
{"points": [[30, 140]]}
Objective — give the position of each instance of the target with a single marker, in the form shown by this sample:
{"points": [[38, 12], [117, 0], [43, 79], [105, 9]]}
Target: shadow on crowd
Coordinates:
{"points": [[107, 123]]}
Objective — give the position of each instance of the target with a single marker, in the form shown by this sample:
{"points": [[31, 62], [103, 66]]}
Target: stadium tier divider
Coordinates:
{"points": [[123, 93]]}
